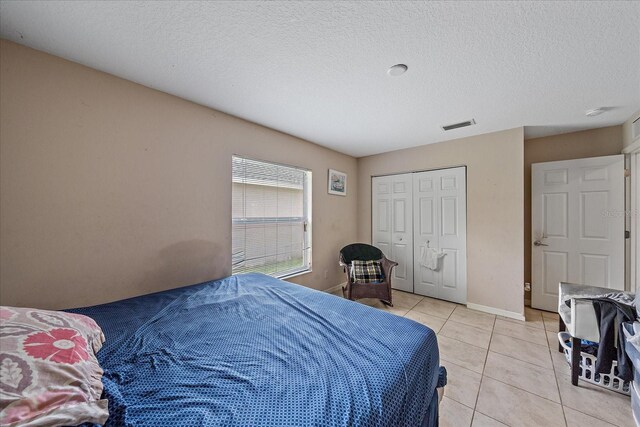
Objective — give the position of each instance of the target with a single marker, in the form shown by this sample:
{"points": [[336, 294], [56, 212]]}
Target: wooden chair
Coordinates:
{"points": [[354, 290]]}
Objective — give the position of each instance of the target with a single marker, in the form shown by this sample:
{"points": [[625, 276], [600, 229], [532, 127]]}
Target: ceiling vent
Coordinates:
{"points": [[459, 125]]}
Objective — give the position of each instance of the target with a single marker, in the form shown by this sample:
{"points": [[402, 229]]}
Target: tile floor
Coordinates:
{"points": [[504, 372]]}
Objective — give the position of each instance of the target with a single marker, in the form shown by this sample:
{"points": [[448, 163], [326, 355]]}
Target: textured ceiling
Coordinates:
{"points": [[317, 70]]}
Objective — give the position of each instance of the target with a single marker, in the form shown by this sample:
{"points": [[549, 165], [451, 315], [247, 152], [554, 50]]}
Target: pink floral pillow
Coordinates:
{"points": [[49, 374]]}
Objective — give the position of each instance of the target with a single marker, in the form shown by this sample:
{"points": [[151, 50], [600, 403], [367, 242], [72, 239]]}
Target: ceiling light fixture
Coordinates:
{"points": [[595, 111], [397, 70]]}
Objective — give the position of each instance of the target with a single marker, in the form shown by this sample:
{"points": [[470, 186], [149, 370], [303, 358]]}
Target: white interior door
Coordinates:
{"points": [[577, 226], [392, 223], [440, 222]]}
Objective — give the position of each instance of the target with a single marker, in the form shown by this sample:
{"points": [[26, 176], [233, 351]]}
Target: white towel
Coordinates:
{"points": [[429, 257]]}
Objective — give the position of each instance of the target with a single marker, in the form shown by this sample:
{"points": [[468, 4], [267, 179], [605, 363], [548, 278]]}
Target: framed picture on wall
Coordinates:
{"points": [[337, 183]]}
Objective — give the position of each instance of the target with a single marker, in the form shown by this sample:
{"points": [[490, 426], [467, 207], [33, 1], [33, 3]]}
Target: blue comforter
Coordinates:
{"points": [[251, 350]]}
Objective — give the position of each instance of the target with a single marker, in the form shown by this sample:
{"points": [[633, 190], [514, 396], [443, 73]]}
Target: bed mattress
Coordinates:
{"points": [[251, 350]]}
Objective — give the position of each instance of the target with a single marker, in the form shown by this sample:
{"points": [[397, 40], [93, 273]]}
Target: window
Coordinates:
{"points": [[271, 218]]}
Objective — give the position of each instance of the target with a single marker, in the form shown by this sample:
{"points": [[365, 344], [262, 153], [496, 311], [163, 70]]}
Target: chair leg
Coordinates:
{"points": [[387, 303], [561, 327], [575, 360]]}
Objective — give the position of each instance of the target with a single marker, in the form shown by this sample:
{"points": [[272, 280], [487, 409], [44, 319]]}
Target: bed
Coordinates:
{"points": [[251, 350]]}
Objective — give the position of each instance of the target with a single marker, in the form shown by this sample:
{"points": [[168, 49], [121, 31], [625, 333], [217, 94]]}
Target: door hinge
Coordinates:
{"points": [[627, 234]]}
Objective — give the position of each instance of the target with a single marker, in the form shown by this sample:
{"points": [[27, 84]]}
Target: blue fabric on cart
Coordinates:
{"points": [[251, 350]]}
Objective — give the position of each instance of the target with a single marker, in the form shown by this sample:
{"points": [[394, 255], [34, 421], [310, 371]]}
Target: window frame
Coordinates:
{"points": [[305, 219]]}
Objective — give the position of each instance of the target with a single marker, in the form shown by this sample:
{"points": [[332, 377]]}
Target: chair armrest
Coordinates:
{"points": [[343, 264], [387, 267]]}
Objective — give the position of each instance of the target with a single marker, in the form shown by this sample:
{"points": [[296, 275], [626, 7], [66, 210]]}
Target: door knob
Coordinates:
{"points": [[539, 243]]}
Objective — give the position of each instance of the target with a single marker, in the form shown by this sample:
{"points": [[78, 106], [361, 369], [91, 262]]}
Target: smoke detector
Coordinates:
{"points": [[397, 70]]}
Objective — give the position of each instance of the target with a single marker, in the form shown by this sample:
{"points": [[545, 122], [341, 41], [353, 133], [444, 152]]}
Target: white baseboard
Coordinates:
{"points": [[472, 306], [335, 288], [496, 311]]}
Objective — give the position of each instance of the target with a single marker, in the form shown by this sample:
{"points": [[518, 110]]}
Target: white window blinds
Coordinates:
{"points": [[271, 219]]}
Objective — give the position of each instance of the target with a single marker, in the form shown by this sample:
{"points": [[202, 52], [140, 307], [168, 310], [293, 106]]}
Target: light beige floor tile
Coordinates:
{"points": [[561, 369], [522, 350], [578, 419], [465, 333], [514, 330], [433, 322], [481, 420], [435, 307], [532, 313], [551, 325], [516, 407], [560, 364], [405, 299], [372, 302], [552, 340], [559, 359], [549, 315], [525, 376], [533, 318], [454, 414], [473, 318], [462, 384], [462, 354], [596, 401]]}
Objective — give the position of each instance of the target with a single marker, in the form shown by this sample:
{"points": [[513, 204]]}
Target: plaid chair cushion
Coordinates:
{"points": [[367, 272]]}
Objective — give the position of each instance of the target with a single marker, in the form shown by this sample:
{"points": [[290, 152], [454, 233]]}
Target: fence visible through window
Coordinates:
{"points": [[271, 221]]}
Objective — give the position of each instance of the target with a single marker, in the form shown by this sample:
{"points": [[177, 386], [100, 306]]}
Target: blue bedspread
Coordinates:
{"points": [[251, 350]]}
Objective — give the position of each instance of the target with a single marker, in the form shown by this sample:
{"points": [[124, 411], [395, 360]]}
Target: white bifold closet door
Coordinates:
{"points": [[423, 209], [440, 222], [392, 225]]}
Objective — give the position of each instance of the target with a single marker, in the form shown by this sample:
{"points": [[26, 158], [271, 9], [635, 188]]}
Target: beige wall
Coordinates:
{"points": [[494, 207], [627, 133], [109, 189], [576, 145]]}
